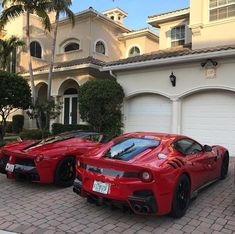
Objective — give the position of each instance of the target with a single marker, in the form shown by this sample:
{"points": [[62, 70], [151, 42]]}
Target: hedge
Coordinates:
{"points": [[17, 123], [33, 134], [58, 128]]}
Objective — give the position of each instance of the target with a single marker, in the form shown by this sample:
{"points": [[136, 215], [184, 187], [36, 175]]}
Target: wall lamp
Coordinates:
{"points": [[173, 79], [209, 62]]}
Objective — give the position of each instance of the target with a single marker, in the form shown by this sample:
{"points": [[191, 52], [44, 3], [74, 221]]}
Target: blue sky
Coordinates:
{"points": [[138, 10]]}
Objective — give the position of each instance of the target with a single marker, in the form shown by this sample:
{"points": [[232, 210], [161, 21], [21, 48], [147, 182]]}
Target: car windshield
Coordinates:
{"points": [[92, 136], [129, 148]]}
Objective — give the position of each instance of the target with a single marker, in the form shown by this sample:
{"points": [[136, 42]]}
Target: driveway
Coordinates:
{"points": [[33, 208]]}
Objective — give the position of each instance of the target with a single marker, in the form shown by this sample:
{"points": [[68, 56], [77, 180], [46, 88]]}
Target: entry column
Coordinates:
{"points": [[176, 115]]}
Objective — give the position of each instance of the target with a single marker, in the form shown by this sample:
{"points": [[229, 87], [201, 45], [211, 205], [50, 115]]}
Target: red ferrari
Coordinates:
{"points": [[149, 173], [48, 161]]}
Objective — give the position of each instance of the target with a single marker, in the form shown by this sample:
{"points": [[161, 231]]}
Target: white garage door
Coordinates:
{"points": [[148, 112], [209, 117]]}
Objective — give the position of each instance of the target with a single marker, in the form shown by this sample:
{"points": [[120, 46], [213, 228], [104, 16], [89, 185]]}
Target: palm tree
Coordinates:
{"points": [[7, 48], [59, 7], [14, 8]]}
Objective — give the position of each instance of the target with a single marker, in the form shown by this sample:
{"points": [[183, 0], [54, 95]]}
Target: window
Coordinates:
{"points": [[134, 51], [35, 49], [178, 36], [100, 47], [128, 148], [71, 46], [221, 9], [187, 146]]}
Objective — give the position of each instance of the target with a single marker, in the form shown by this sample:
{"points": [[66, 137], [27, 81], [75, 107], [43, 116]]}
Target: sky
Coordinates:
{"points": [[138, 10]]}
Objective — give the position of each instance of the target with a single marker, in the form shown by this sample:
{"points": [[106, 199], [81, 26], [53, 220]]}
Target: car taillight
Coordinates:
{"points": [[39, 158], [146, 176]]}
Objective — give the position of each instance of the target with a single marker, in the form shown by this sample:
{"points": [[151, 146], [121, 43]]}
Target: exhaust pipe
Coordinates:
{"points": [[145, 209], [137, 208]]}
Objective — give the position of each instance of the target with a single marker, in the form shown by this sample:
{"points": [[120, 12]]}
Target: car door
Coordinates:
{"points": [[196, 160]]}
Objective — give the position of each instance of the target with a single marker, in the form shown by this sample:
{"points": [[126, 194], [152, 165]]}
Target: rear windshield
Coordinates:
{"points": [[129, 148]]}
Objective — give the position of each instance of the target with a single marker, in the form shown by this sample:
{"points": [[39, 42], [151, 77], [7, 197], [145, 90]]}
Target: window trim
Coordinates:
{"points": [[175, 40], [131, 47], [219, 7], [105, 46], [42, 49], [71, 42]]}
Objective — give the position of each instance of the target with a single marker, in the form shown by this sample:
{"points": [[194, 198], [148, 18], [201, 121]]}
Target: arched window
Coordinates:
{"points": [[134, 51], [35, 49], [71, 46], [100, 47]]}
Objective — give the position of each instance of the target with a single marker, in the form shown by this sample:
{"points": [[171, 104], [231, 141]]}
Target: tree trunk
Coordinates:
{"points": [[29, 58], [52, 56]]}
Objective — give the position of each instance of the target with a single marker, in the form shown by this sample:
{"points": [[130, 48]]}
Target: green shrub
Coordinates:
{"points": [[100, 103], [58, 128], [9, 127], [2, 143], [34, 134], [17, 123]]}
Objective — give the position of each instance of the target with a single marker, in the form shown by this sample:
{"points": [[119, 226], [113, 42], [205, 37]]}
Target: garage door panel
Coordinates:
{"points": [[148, 112], [209, 117]]}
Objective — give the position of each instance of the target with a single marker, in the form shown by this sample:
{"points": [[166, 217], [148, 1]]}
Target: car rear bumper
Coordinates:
{"points": [[28, 173], [140, 201]]}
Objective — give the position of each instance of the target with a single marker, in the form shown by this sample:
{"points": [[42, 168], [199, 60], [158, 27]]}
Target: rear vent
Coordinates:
{"points": [[25, 162], [176, 163]]}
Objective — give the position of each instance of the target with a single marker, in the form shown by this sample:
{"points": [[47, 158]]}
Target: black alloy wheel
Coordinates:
{"points": [[181, 197], [224, 166], [65, 172]]}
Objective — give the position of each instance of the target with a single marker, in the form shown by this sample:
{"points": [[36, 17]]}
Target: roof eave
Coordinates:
{"points": [[173, 60]]}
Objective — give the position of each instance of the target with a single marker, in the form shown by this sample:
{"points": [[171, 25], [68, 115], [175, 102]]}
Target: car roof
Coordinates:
{"points": [[161, 136]]}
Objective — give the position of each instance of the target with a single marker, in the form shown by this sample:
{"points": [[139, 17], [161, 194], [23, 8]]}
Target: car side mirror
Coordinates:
{"points": [[207, 148]]}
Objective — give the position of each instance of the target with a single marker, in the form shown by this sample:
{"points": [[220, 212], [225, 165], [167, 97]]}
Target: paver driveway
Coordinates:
{"points": [[33, 208]]}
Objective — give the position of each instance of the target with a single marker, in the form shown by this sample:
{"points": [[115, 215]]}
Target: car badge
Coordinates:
{"points": [[162, 156]]}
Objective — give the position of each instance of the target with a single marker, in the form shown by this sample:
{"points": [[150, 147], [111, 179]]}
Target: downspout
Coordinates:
{"points": [[112, 74]]}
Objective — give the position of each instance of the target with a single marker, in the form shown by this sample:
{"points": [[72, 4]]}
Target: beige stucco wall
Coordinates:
{"points": [[206, 33], [145, 44], [190, 77], [165, 32]]}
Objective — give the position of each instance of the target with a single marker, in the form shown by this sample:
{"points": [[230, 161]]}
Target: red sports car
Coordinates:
{"points": [[150, 173], [48, 161]]}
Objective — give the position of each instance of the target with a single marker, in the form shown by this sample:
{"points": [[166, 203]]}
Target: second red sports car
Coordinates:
{"points": [[48, 161], [149, 173]]}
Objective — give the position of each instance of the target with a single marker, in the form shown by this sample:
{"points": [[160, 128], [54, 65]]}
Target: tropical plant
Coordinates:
{"points": [[7, 48], [14, 94], [100, 104], [59, 7], [14, 8]]}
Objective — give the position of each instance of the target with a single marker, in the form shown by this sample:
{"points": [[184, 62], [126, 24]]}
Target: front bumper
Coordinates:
{"points": [[140, 201]]}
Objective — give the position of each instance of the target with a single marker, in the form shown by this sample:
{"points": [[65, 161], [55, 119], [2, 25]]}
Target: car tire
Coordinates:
{"points": [[65, 172], [224, 166], [181, 197]]}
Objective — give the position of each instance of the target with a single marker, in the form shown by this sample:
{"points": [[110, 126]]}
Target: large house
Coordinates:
{"points": [[182, 81]]}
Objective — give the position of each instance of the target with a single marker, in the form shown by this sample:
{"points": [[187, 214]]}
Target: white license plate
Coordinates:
{"points": [[100, 187], [10, 167]]}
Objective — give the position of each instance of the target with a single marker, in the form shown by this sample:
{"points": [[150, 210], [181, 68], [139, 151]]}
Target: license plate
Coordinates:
{"points": [[10, 167], [100, 187]]}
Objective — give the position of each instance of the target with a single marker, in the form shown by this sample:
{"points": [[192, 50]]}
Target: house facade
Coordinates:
{"points": [[81, 51], [180, 82], [188, 86]]}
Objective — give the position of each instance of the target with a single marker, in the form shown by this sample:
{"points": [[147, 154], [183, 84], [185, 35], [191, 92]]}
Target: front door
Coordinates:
{"points": [[70, 109]]}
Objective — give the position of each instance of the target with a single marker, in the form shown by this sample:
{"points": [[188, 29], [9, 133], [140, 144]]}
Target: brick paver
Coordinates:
{"points": [[43, 209]]}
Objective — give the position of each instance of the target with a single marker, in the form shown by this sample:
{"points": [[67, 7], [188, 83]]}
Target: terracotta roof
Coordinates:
{"points": [[72, 63], [168, 53], [169, 12]]}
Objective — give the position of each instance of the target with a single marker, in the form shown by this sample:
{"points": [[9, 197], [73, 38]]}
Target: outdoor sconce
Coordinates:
{"points": [[173, 79], [210, 62]]}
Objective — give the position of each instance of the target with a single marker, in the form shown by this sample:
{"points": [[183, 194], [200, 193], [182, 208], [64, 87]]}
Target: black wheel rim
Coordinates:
{"points": [[183, 195], [225, 167], [67, 171]]}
